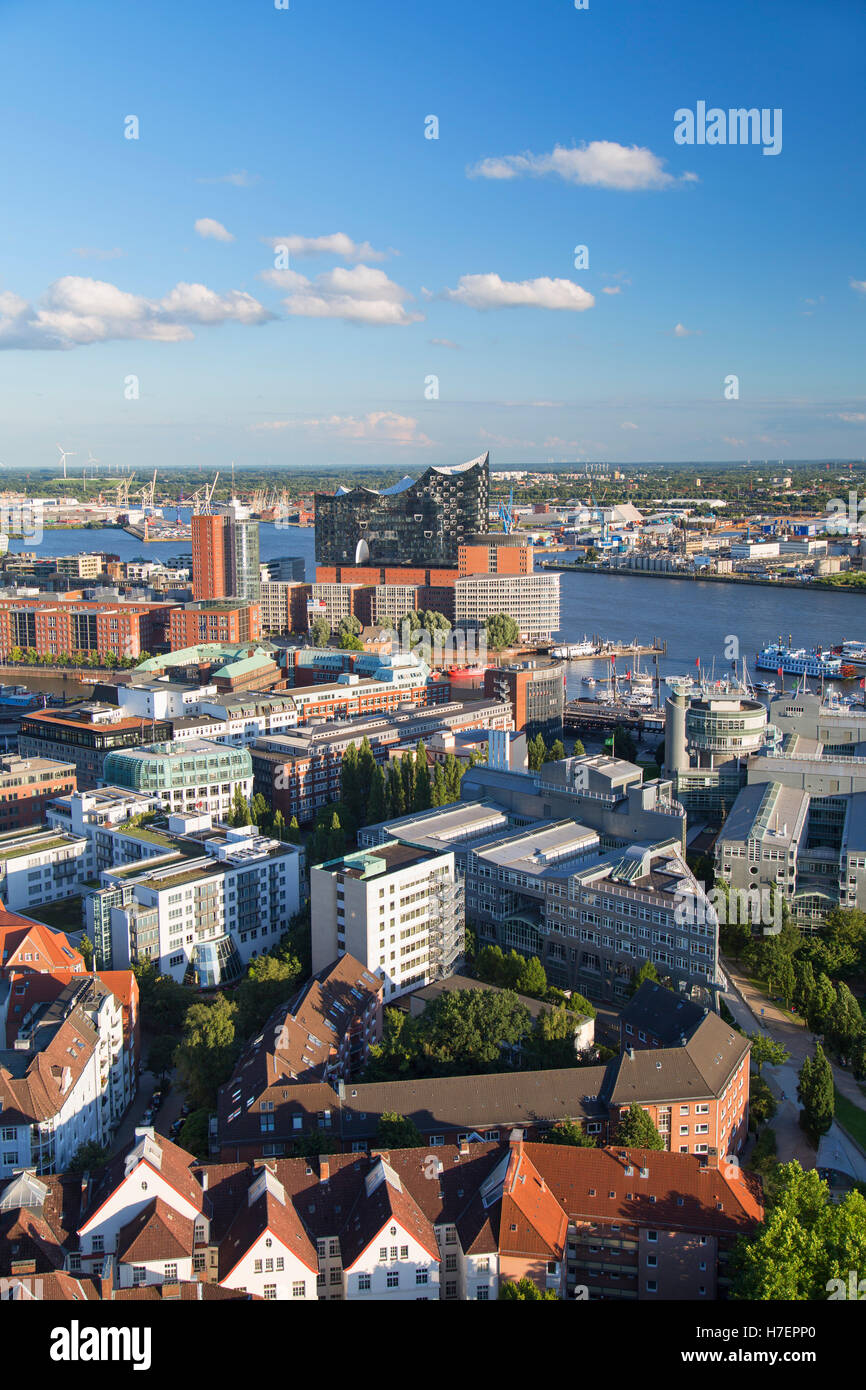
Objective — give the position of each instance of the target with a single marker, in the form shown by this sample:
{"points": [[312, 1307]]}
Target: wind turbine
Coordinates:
{"points": [[64, 455], [92, 463]]}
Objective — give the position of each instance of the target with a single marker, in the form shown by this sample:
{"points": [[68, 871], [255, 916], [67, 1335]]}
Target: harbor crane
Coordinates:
{"points": [[202, 499]]}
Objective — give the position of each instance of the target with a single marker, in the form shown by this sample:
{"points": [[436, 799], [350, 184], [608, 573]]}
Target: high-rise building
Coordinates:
{"points": [[421, 522], [225, 555]]}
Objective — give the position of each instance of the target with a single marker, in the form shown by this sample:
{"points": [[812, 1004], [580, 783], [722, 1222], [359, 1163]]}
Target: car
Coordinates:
{"points": [[147, 1118], [156, 1100], [176, 1128]]}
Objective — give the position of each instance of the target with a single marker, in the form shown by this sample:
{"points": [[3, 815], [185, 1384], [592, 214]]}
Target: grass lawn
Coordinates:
{"points": [[761, 987], [852, 1118], [65, 915]]}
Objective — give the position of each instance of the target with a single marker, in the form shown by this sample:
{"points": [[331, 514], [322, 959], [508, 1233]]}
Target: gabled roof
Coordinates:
{"points": [[699, 1069], [384, 1201], [662, 1012], [157, 1232], [51, 950], [172, 1163], [268, 1213], [532, 1221]]}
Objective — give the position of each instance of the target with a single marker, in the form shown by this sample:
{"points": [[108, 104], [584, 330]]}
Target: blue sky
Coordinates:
{"points": [[411, 258]]}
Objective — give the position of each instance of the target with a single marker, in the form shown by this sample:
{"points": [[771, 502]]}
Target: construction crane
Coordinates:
{"points": [[202, 500], [122, 493]]}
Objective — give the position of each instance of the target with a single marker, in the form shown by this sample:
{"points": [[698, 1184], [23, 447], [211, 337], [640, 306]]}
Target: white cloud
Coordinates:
{"points": [[599, 164], [628, 425], [492, 292], [445, 343], [376, 427], [95, 253], [850, 417], [612, 289], [680, 331], [735, 443], [212, 230], [76, 311], [240, 180], [858, 285], [337, 244], [361, 294]]}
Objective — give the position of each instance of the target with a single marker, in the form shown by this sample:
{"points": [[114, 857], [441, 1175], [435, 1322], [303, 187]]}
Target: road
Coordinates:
{"points": [[756, 1013], [167, 1113]]}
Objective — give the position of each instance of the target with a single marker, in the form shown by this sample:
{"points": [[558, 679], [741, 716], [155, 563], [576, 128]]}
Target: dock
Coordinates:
{"points": [[592, 716]]}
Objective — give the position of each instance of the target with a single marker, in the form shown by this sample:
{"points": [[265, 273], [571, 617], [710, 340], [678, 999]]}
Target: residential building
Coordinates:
{"points": [[27, 785], [110, 819], [284, 605], [194, 776], [225, 555], [39, 866], [396, 681], [84, 734], [532, 600], [198, 916], [496, 553], [214, 620], [420, 522], [62, 623], [397, 909], [66, 1081]]}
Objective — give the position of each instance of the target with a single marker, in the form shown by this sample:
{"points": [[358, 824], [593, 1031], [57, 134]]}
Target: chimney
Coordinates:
{"points": [[464, 1148], [324, 1167], [106, 1279], [631, 1054]]}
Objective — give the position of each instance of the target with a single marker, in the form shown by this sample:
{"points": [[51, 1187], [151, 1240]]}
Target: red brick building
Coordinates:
{"points": [[214, 620], [67, 623], [27, 784]]}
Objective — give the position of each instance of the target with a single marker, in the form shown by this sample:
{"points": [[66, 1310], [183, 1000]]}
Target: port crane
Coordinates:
{"points": [[202, 499]]}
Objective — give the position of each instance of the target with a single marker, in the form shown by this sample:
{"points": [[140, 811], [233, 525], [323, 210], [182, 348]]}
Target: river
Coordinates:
{"points": [[697, 620]]}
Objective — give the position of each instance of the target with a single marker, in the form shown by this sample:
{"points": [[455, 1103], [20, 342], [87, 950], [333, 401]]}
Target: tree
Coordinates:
{"points": [[637, 1131], [240, 810], [525, 1291], [555, 752], [465, 1030], [805, 1242], [423, 794], [579, 750], [570, 1133], [396, 1132], [160, 1058], [377, 803], [762, 1102], [207, 1052], [279, 830], [312, 1144], [647, 971], [623, 744], [766, 1049], [439, 794], [452, 774], [396, 795], [821, 1002], [502, 631], [163, 1001], [85, 948], [350, 643], [352, 792], [293, 830], [552, 1043], [536, 751], [408, 764], [320, 632], [269, 982], [194, 1134], [260, 811], [844, 1021], [349, 625], [815, 1094], [532, 978], [88, 1157]]}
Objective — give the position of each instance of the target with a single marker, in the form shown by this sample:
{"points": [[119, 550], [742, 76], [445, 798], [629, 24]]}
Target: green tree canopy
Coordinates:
{"points": [[570, 1133], [270, 981], [525, 1291], [207, 1052], [396, 1132], [766, 1049], [816, 1095], [502, 631], [637, 1131]]}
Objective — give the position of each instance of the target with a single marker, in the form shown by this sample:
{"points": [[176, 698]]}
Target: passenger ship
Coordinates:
{"points": [[798, 662]]}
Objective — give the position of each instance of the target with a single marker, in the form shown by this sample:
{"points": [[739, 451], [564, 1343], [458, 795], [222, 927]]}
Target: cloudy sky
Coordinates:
{"points": [[281, 266]]}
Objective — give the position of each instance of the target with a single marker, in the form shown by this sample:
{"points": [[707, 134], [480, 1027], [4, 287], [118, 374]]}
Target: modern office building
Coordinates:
{"points": [[84, 734], [532, 600], [109, 819], [60, 624], [708, 740], [397, 909], [536, 691], [284, 605], [421, 522], [40, 866], [192, 777], [333, 602], [225, 555], [496, 553], [286, 569]]}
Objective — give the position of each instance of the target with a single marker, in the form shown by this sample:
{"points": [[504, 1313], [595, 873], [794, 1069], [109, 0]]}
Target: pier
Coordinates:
{"points": [[594, 716]]}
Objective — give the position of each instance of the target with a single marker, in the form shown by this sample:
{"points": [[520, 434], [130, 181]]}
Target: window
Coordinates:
{"points": [[404, 1252], [363, 1283], [270, 1291], [383, 1254], [652, 1235], [421, 1276], [171, 1274], [198, 1263], [139, 1274], [483, 1293], [299, 1289], [652, 1286], [393, 1278], [652, 1261], [97, 1244], [257, 1267]]}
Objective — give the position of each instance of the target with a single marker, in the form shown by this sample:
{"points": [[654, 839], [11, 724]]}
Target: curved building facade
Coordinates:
{"points": [[421, 522]]}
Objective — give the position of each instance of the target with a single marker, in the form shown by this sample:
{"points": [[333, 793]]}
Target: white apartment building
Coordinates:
{"points": [[65, 1081], [532, 600], [208, 914], [391, 603], [102, 818], [38, 866], [396, 908]]}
